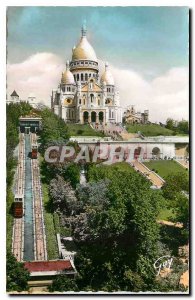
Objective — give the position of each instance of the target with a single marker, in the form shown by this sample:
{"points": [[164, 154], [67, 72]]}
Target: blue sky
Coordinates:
{"points": [[146, 47], [147, 39]]}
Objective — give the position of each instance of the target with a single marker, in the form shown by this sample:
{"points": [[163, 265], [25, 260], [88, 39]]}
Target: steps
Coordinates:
{"points": [[156, 180]]}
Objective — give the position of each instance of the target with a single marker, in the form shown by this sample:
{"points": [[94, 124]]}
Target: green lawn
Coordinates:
{"points": [[82, 130], [52, 225], [52, 248], [165, 167], [149, 129], [166, 214]]}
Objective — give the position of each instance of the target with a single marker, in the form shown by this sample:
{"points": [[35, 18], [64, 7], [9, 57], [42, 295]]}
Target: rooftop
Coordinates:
{"points": [[14, 94], [49, 266]]}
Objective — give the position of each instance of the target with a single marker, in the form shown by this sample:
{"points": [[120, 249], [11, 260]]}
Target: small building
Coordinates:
{"points": [[47, 270], [32, 100], [14, 98], [31, 123], [131, 116]]}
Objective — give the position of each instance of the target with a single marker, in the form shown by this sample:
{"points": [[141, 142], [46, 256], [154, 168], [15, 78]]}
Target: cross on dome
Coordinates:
{"points": [[84, 28]]}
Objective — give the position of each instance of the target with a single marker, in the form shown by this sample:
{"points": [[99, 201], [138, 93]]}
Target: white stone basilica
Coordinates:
{"points": [[83, 96]]}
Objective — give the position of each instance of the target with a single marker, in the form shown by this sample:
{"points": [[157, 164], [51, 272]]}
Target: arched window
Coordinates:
{"points": [[86, 77], [108, 101], [109, 113], [90, 75], [79, 101], [81, 76], [77, 77], [74, 77], [98, 101], [92, 97], [156, 152]]}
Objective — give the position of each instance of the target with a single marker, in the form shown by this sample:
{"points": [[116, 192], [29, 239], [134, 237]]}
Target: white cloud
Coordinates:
{"points": [[39, 74], [165, 96]]}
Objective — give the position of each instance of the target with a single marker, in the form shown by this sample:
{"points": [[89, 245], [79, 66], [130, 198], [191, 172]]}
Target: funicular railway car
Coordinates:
{"points": [[18, 206], [34, 151]]}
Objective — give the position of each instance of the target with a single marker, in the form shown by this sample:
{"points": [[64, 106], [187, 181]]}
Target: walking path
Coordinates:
{"points": [[183, 163], [169, 223], [152, 176]]}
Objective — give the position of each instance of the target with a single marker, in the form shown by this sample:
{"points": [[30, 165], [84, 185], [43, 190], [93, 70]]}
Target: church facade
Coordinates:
{"points": [[83, 95]]}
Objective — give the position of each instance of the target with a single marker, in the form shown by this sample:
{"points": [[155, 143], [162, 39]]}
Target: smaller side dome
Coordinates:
{"points": [[67, 76], [107, 77]]}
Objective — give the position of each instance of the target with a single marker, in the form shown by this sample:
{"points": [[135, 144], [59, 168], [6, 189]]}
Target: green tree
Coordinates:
{"points": [[183, 127], [17, 275], [72, 173], [175, 183], [63, 283], [170, 124], [13, 112], [176, 192], [54, 129], [122, 217]]}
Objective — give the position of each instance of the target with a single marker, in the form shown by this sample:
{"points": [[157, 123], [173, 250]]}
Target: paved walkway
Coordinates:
{"points": [[152, 176], [168, 223], [183, 163], [126, 136], [117, 132]]}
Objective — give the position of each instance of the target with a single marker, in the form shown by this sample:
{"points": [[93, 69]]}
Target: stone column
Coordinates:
{"points": [[89, 119], [97, 117]]}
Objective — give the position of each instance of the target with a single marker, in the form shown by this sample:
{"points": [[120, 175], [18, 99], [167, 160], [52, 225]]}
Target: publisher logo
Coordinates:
{"points": [[164, 262]]}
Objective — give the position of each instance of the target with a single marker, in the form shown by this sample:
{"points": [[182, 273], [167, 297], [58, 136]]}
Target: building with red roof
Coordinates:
{"points": [[48, 269]]}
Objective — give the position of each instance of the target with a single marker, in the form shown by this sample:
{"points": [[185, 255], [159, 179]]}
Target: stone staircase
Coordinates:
{"points": [[183, 163], [117, 132], [156, 180]]}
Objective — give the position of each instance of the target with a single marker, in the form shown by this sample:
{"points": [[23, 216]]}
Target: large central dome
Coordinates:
{"points": [[83, 50]]}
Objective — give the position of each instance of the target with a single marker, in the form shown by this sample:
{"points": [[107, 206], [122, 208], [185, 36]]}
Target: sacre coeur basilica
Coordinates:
{"points": [[84, 95]]}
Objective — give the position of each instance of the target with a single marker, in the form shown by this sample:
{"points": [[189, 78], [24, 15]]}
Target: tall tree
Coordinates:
{"points": [[17, 275]]}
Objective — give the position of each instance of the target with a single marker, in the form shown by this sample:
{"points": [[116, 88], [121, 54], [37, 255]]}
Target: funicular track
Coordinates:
{"points": [[40, 251], [18, 226], [21, 235]]}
